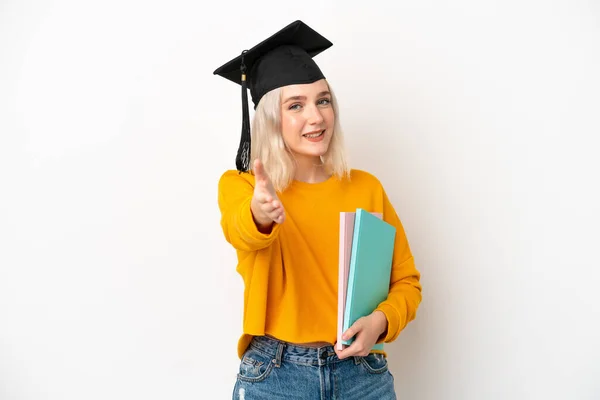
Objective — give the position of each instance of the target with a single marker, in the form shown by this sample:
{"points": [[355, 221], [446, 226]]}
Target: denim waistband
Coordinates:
{"points": [[285, 351]]}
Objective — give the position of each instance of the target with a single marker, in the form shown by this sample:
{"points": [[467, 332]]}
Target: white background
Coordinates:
{"points": [[481, 119]]}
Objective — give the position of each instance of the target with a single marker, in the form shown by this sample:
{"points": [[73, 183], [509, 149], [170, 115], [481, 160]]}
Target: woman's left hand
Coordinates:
{"points": [[366, 331]]}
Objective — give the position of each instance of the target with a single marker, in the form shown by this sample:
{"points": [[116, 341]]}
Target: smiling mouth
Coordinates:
{"points": [[313, 135]]}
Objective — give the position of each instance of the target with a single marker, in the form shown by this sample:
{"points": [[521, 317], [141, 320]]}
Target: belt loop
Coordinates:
{"points": [[279, 354]]}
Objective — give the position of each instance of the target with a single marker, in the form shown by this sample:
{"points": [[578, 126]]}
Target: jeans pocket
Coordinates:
{"points": [[374, 363], [255, 366]]}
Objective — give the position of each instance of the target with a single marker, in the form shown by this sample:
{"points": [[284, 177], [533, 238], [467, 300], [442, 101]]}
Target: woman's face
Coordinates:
{"points": [[307, 118]]}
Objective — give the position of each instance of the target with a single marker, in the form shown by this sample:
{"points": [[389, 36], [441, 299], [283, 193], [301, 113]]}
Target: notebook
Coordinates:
{"points": [[370, 266], [345, 248]]}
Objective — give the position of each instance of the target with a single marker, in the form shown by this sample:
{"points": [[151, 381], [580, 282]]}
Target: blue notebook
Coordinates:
{"points": [[370, 268]]}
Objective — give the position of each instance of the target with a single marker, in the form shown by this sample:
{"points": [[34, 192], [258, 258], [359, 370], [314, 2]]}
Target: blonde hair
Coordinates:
{"points": [[268, 144]]}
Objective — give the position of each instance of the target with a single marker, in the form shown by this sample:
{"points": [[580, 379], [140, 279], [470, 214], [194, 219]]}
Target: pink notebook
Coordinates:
{"points": [[345, 249]]}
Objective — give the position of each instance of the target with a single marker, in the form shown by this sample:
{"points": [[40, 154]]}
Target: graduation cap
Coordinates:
{"points": [[285, 58]]}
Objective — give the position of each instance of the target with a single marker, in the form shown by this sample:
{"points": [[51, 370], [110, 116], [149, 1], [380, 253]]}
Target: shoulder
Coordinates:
{"points": [[234, 177], [232, 181], [364, 178]]}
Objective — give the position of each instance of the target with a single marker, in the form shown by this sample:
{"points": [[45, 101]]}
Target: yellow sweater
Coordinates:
{"points": [[291, 274]]}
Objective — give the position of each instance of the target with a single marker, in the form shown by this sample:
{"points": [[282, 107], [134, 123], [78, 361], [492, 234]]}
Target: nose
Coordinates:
{"points": [[315, 117]]}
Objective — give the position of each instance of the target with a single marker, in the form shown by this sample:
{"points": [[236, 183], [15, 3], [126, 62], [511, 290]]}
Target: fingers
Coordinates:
{"points": [[356, 327], [272, 207], [280, 217], [264, 194], [261, 177], [263, 188], [358, 346], [266, 202], [269, 210], [276, 213], [340, 353]]}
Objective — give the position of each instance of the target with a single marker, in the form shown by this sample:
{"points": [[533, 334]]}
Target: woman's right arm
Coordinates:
{"points": [[251, 215]]}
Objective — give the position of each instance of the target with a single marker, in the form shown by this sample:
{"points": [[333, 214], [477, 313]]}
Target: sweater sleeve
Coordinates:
{"points": [[234, 197], [405, 288]]}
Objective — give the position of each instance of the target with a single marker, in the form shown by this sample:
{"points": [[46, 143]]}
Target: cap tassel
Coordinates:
{"points": [[242, 160]]}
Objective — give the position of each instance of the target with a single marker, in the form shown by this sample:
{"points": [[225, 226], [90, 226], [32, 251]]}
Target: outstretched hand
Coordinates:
{"points": [[366, 332], [266, 206]]}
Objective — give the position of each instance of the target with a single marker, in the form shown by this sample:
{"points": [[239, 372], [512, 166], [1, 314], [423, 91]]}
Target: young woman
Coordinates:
{"points": [[280, 212]]}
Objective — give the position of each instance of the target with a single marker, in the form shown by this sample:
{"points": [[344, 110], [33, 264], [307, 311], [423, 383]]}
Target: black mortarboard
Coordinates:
{"points": [[283, 59]]}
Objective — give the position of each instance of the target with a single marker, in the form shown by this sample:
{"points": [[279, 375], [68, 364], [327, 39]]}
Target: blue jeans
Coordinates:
{"points": [[275, 370]]}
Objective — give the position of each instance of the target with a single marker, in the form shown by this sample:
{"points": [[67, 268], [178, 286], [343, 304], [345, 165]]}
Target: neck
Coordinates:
{"points": [[310, 170]]}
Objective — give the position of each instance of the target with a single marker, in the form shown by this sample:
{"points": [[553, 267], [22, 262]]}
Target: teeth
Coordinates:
{"points": [[314, 135]]}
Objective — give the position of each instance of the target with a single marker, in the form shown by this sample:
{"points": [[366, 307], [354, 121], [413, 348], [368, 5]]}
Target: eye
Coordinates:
{"points": [[324, 102], [295, 106]]}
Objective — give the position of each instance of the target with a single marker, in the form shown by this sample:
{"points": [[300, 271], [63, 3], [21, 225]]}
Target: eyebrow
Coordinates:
{"points": [[324, 93]]}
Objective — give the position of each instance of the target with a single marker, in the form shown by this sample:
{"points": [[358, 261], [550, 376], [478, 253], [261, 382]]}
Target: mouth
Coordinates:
{"points": [[314, 135]]}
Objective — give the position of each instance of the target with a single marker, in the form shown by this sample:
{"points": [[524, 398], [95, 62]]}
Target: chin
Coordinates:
{"points": [[311, 150], [316, 152]]}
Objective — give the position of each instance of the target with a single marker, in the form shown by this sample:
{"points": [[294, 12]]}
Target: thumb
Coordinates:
{"points": [[353, 330], [259, 170]]}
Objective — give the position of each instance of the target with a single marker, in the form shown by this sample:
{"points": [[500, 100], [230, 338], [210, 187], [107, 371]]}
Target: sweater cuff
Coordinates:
{"points": [[393, 320], [248, 229]]}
